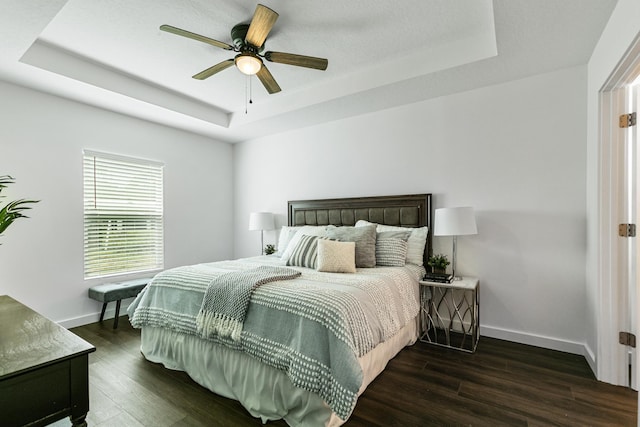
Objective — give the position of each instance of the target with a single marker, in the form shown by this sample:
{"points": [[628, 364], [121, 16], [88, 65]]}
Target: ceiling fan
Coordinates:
{"points": [[248, 41]]}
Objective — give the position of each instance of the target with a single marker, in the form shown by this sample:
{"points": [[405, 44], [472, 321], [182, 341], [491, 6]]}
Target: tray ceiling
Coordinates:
{"points": [[381, 54]]}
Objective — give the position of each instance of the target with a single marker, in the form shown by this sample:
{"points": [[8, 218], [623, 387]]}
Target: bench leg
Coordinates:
{"points": [[115, 319], [104, 307]]}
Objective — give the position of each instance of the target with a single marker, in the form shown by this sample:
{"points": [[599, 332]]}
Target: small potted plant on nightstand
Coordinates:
{"points": [[438, 263], [269, 249]]}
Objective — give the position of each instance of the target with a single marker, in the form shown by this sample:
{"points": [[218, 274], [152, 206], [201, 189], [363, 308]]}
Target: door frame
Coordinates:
{"points": [[613, 308]]}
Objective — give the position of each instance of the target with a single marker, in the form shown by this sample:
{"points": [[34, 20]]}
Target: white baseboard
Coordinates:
{"points": [[541, 341], [95, 317], [89, 318], [591, 359]]}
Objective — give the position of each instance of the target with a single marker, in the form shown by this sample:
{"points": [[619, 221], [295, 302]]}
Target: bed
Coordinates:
{"points": [[309, 343]]}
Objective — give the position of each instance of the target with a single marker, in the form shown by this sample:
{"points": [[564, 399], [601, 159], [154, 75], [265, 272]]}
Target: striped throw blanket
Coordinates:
{"points": [[226, 299]]}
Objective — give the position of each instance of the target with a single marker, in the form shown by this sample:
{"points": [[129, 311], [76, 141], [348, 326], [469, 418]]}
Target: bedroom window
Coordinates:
{"points": [[123, 224]]}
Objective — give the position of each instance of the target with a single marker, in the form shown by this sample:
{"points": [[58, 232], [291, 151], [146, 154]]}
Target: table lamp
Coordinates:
{"points": [[454, 222], [261, 221]]}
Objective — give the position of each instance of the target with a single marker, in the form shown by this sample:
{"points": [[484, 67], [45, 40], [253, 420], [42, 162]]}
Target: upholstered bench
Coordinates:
{"points": [[117, 292]]}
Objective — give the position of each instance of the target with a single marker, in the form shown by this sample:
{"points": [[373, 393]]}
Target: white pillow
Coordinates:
{"points": [[309, 230], [286, 234], [415, 244], [336, 257]]}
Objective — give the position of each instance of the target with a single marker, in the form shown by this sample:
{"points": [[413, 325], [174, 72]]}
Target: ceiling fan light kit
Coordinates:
{"points": [[248, 63], [248, 41]]}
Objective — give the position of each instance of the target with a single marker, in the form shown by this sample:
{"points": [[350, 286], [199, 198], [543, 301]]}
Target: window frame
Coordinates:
{"points": [[127, 195]]}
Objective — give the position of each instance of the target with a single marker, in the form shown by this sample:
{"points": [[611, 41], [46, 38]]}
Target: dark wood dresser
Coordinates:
{"points": [[44, 369]]}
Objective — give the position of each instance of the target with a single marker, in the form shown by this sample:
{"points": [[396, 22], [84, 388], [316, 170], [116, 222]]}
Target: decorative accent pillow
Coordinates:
{"points": [[364, 238], [391, 252], [415, 244], [309, 230], [336, 257], [305, 253], [387, 253]]}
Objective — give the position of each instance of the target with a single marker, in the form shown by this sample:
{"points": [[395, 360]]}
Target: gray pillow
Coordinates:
{"points": [[365, 239], [402, 235]]}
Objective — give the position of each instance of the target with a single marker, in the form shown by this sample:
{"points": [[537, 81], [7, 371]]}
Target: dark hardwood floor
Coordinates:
{"points": [[503, 383]]}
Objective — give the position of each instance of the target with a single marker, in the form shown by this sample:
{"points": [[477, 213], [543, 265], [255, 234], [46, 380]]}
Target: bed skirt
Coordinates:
{"points": [[265, 392]]}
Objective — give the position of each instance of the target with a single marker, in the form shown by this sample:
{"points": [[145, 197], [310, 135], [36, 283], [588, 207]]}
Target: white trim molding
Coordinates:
{"points": [[613, 313], [538, 341]]}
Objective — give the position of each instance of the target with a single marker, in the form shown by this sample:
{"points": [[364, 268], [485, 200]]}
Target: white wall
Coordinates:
{"points": [[514, 151], [41, 143], [621, 30]]}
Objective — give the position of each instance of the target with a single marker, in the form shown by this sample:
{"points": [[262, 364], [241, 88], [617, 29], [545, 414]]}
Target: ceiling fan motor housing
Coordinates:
{"points": [[239, 34]]}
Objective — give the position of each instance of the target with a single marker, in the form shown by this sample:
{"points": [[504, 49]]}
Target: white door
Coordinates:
{"points": [[626, 215], [618, 196], [632, 152], [633, 95], [628, 278], [633, 102], [627, 260], [624, 152]]}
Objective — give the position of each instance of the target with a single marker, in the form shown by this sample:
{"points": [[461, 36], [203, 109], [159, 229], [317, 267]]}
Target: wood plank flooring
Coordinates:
{"points": [[503, 383]]}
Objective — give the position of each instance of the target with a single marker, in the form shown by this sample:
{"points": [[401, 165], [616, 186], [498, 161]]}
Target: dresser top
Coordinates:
{"points": [[29, 340]]}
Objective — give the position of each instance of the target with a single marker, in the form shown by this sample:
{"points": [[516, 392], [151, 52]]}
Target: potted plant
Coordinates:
{"points": [[12, 210], [438, 263], [269, 249]]}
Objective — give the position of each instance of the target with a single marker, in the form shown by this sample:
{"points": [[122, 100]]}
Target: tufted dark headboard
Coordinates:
{"points": [[406, 211]]}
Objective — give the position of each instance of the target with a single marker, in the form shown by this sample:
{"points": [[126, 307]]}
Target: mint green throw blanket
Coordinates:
{"points": [[313, 328], [226, 300]]}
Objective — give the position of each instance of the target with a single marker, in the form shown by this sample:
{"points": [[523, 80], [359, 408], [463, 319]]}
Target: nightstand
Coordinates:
{"points": [[450, 313]]}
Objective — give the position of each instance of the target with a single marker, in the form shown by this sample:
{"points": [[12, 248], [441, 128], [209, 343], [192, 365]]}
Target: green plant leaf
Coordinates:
{"points": [[13, 210], [4, 181], [438, 261]]}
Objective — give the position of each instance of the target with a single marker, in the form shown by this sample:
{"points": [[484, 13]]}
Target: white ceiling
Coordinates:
{"points": [[111, 54]]}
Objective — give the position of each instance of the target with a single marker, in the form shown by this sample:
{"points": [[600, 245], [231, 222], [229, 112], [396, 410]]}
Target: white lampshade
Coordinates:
{"points": [[248, 64], [454, 222], [261, 221]]}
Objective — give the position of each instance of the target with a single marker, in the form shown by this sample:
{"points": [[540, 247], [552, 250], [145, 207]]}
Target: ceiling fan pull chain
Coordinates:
{"points": [[250, 91], [248, 94]]}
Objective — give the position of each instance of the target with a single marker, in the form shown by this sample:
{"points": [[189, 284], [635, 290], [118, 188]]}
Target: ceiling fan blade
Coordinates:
{"points": [[261, 24], [268, 81], [213, 70], [297, 60], [189, 34]]}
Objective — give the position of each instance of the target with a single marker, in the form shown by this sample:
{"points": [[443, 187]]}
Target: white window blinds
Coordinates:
{"points": [[122, 215]]}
